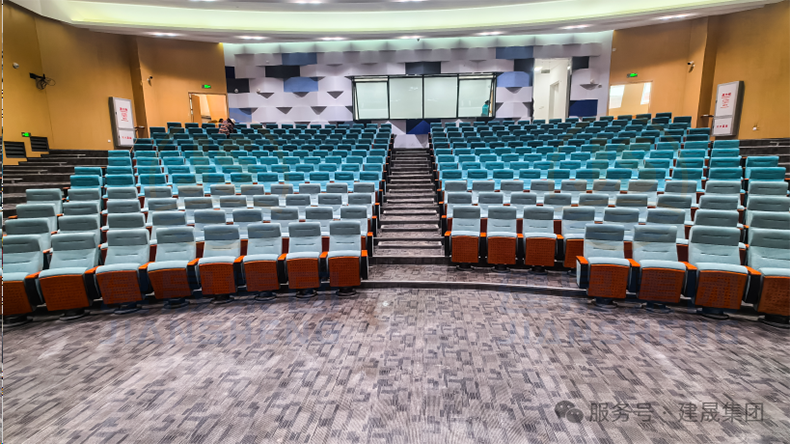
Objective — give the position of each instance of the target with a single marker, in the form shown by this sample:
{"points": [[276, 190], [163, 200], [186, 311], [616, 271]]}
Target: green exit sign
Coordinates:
{"points": [[206, 86], [25, 134], [632, 75]]}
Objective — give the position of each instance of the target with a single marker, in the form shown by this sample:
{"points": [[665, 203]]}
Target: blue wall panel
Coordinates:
{"points": [[514, 52], [417, 126], [515, 79], [583, 108], [300, 58], [241, 114], [300, 85]]}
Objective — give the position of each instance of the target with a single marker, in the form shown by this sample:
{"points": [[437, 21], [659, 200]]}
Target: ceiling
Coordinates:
{"points": [[245, 21]]}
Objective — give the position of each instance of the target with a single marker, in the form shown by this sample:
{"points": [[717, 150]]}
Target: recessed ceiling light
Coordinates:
{"points": [[163, 34], [409, 37], [332, 39], [576, 27], [538, 68], [674, 17], [490, 33], [251, 37], [308, 2]]}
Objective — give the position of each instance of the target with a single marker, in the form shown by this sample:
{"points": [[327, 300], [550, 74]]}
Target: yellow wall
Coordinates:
{"points": [[25, 106], [89, 68], [178, 67], [657, 54], [753, 46]]}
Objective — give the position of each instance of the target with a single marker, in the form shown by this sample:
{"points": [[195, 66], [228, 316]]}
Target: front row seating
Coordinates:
{"points": [[603, 269], [769, 253], [73, 280]]}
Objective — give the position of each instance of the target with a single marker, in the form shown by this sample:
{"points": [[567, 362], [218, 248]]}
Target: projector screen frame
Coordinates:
{"points": [[385, 79]]}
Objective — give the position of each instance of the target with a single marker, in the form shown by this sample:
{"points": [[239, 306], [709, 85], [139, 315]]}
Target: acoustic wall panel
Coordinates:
{"points": [[334, 62], [300, 84], [250, 72], [514, 79], [282, 71], [514, 52], [331, 58], [495, 65], [334, 83], [513, 95], [267, 59], [300, 58], [424, 68]]}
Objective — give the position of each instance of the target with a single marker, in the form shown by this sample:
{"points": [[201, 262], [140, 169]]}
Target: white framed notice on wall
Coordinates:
{"points": [[122, 121], [722, 126], [728, 104]]}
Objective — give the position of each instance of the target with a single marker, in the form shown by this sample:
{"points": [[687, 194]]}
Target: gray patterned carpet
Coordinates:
{"points": [[397, 366]]}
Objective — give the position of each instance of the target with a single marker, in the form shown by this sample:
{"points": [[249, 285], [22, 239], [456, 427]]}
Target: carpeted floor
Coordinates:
{"points": [[397, 366]]}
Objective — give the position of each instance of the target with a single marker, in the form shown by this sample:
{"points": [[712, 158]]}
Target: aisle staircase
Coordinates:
{"points": [[409, 230], [51, 170], [768, 147]]}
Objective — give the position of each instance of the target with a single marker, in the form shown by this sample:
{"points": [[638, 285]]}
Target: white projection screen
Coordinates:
{"points": [[438, 96], [441, 97], [472, 95], [405, 98], [372, 101]]}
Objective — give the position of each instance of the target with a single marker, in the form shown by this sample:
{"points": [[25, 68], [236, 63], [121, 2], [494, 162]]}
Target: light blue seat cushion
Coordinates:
{"points": [[63, 272], [261, 258], [608, 261], [117, 267], [711, 266], [673, 265], [14, 277], [168, 265], [501, 234], [343, 253], [782, 272], [540, 236], [216, 260], [303, 255], [464, 233]]}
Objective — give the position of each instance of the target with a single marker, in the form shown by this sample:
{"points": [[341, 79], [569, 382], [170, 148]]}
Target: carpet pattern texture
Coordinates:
{"points": [[397, 366]]}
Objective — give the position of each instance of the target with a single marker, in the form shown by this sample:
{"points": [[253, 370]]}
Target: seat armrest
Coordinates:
{"points": [[582, 272], [690, 286], [754, 287], [634, 276]]}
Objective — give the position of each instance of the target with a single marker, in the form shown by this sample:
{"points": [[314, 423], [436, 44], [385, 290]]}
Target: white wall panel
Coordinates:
{"points": [[268, 59], [514, 94], [266, 85], [250, 72], [330, 58], [495, 65]]}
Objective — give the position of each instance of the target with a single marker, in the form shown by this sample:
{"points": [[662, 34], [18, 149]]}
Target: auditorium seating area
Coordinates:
{"points": [[214, 217], [588, 195], [630, 206]]}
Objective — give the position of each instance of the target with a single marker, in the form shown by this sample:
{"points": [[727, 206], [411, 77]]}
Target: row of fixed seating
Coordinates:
{"points": [[272, 125], [572, 138], [295, 180], [620, 254], [189, 144], [719, 210], [44, 204], [71, 276], [668, 150], [261, 139], [612, 188], [544, 170]]}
